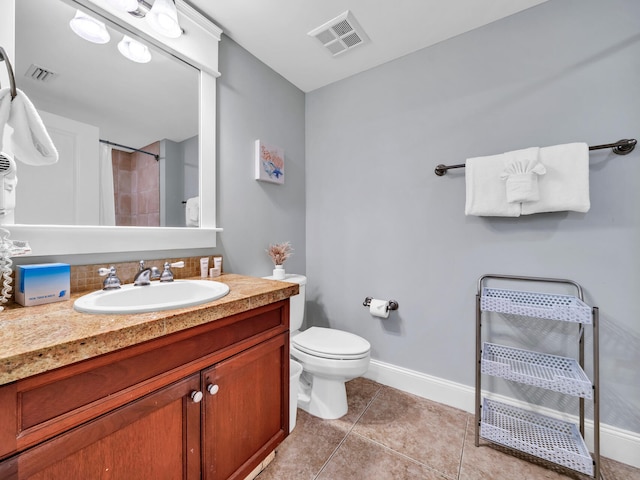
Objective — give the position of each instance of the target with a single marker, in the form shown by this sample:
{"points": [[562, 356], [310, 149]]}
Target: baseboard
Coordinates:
{"points": [[615, 443]]}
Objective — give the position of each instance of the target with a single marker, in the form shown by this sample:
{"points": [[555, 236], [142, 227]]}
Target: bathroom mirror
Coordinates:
{"points": [[96, 91], [195, 53]]}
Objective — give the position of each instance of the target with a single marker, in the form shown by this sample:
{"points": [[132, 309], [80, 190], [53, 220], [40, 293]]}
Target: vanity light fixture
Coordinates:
{"points": [[162, 15], [124, 5], [163, 18], [89, 28], [134, 50], [141, 9]]}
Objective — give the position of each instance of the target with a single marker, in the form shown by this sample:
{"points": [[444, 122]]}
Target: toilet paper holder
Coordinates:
{"points": [[393, 305]]}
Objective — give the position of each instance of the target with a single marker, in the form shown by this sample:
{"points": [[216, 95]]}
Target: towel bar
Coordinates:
{"points": [[621, 147]]}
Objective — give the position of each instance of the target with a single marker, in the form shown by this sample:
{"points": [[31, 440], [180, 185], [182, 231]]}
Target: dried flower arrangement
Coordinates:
{"points": [[279, 252]]}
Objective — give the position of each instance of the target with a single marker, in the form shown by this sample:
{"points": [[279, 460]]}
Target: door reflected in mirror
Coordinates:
{"points": [[85, 93]]}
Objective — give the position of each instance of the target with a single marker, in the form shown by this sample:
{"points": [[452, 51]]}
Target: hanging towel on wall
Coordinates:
{"points": [[485, 191], [5, 109], [30, 141], [192, 212], [565, 186], [521, 175]]}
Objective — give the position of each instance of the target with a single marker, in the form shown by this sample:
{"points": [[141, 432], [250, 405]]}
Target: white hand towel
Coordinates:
{"points": [[485, 192], [521, 175], [31, 142], [5, 108], [192, 212], [565, 186]]}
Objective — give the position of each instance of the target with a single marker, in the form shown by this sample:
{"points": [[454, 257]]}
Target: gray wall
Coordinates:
{"points": [[172, 211], [191, 173], [255, 103], [179, 164], [380, 223]]}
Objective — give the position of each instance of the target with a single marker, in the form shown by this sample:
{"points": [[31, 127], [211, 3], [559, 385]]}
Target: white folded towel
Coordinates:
{"points": [[565, 186], [192, 212], [5, 109], [30, 140], [521, 175], [485, 191]]}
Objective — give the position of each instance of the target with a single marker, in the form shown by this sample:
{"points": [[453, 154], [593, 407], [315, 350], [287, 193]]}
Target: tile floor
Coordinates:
{"points": [[391, 435]]}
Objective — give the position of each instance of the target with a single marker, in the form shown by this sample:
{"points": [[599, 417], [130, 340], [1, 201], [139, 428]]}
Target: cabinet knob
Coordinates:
{"points": [[196, 396], [213, 389]]}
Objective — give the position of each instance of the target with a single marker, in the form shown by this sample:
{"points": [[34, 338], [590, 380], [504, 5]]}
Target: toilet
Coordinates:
{"points": [[329, 358]]}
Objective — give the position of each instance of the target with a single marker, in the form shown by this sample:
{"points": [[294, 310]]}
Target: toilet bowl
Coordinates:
{"points": [[329, 358]]}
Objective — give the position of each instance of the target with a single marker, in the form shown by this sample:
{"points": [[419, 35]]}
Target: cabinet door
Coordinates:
{"points": [[155, 437], [245, 416]]}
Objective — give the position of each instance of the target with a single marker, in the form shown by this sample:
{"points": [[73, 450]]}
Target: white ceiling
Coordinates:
{"points": [[275, 31]]}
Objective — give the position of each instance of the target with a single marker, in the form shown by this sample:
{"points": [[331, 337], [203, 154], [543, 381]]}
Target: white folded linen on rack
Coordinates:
{"points": [[565, 186], [485, 191], [521, 175]]}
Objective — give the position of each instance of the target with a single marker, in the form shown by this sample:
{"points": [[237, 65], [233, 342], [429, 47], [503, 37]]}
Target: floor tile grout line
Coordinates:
{"points": [[385, 447], [416, 461], [464, 442], [405, 456], [324, 465]]}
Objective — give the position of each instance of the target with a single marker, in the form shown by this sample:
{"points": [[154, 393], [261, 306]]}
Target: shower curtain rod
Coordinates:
{"points": [[157, 157], [621, 147]]}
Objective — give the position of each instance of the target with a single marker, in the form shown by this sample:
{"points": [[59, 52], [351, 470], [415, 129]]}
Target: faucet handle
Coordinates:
{"points": [[167, 274], [112, 281]]}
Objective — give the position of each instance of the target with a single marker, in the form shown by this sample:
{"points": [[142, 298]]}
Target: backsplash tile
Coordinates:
{"points": [[86, 277]]}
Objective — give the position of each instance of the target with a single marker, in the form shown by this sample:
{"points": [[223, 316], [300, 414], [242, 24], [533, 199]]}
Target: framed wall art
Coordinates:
{"points": [[269, 160]]}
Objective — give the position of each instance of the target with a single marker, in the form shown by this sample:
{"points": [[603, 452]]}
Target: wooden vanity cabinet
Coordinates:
{"points": [[243, 416], [214, 416], [157, 436]]}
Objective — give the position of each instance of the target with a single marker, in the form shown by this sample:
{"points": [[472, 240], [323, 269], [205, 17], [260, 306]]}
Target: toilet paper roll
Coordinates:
{"points": [[379, 308]]}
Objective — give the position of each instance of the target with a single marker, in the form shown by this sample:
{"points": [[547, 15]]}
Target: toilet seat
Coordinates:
{"points": [[330, 343]]}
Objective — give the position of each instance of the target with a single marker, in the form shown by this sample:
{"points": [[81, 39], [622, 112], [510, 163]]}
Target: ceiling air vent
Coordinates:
{"points": [[40, 74], [340, 34]]}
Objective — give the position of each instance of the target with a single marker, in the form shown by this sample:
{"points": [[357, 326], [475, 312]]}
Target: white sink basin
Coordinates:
{"points": [[151, 298]]}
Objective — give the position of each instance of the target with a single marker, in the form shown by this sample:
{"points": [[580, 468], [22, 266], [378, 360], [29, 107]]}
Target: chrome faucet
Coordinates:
{"points": [[167, 274], [112, 282], [145, 275]]}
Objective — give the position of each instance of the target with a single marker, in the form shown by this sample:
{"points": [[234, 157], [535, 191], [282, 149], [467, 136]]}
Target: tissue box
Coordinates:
{"points": [[43, 283]]}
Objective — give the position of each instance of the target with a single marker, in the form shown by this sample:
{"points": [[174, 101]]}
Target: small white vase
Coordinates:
{"points": [[278, 272]]}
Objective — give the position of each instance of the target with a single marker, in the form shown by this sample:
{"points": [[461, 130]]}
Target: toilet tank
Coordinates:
{"points": [[296, 303]]}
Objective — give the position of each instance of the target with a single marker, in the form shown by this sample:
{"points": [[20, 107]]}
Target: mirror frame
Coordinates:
{"points": [[199, 48]]}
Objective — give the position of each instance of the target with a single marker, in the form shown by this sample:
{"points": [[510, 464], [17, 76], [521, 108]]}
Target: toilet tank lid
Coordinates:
{"points": [[290, 277]]}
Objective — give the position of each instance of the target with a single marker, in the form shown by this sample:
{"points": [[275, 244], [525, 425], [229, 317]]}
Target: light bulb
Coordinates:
{"points": [[163, 18], [134, 50], [89, 28]]}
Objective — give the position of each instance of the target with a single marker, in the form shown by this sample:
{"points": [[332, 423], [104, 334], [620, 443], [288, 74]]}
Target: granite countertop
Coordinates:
{"points": [[37, 339]]}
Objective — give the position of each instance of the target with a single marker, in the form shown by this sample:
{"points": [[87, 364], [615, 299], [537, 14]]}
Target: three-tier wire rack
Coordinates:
{"points": [[522, 429]]}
